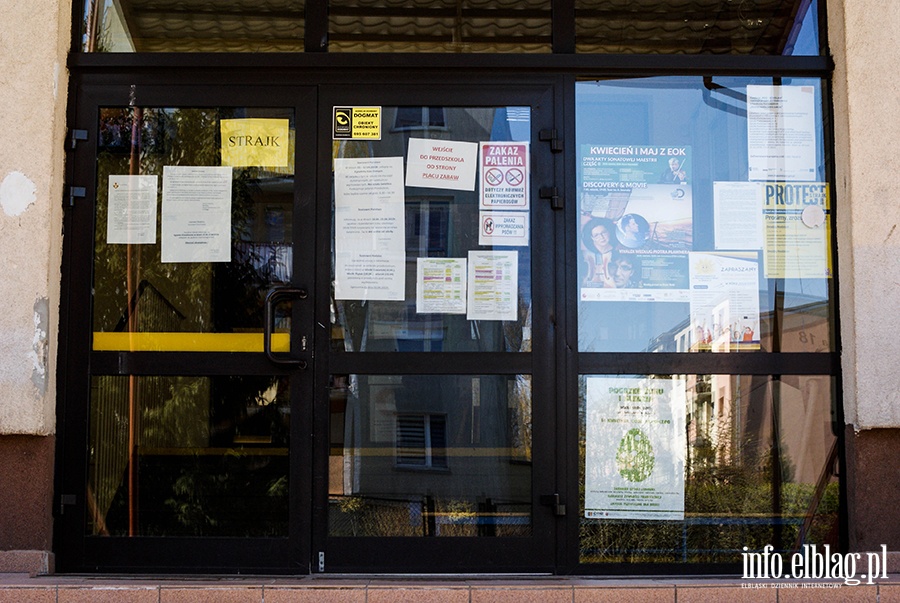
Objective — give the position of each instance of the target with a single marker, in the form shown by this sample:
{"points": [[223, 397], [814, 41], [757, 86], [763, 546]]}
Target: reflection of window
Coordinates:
{"points": [[427, 228], [422, 440], [417, 118]]}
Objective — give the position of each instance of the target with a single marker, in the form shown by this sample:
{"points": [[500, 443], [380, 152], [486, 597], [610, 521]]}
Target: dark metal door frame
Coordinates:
{"points": [[541, 552], [76, 550], [308, 456]]}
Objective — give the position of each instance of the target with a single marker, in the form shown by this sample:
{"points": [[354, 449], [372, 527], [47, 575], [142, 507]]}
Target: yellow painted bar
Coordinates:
{"points": [[187, 342], [450, 451]]}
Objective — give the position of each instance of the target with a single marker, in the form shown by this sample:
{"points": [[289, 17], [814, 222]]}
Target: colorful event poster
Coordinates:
{"points": [[636, 222], [797, 218], [505, 175], [370, 232], [645, 191], [131, 217], [724, 301], [493, 285], [634, 448], [781, 132], [441, 164], [196, 213], [441, 285], [638, 277]]}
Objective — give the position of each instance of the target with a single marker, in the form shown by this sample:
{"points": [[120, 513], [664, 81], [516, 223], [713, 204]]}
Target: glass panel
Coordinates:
{"points": [[188, 456], [414, 269], [193, 225], [771, 27], [745, 461], [522, 26], [193, 26], [430, 455], [704, 216]]}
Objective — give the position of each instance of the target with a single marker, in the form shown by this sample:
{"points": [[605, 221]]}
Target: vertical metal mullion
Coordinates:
{"points": [[316, 26], [563, 26], [568, 547]]}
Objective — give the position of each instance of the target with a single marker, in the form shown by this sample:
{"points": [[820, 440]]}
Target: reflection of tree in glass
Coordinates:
{"points": [[199, 296], [155, 138], [212, 454], [728, 505]]}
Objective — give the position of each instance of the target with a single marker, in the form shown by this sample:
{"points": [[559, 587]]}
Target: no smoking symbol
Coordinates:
{"points": [[494, 177], [515, 177]]}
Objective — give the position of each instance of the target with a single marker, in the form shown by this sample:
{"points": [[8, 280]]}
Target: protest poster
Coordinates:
{"points": [[797, 219]]}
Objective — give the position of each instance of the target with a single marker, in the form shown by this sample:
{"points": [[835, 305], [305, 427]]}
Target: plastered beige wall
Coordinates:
{"points": [[862, 37], [863, 40], [32, 129]]}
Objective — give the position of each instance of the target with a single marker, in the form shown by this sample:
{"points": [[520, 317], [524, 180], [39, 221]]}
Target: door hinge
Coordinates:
{"points": [[321, 561], [551, 136], [552, 193], [75, 136], [75, 192], [552, 501], [64, 501]]}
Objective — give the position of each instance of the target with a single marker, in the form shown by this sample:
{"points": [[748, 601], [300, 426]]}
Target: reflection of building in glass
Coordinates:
{"points": [[803, 327], [430, 456], [780, 428]]}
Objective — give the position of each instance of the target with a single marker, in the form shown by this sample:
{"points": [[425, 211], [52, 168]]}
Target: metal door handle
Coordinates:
{"points": [[275, 295]]}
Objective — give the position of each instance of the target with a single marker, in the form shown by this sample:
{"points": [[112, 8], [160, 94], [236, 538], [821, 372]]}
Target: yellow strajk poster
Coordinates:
{"points": [[255, 142]]}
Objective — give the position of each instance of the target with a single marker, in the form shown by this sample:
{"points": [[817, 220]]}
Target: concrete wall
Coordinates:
{"points": [[33, 84], [863, 39], [862, 36]]}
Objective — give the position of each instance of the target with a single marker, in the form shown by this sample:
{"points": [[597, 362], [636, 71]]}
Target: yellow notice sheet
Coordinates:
{"points": [[255, 142], [796, 217]]}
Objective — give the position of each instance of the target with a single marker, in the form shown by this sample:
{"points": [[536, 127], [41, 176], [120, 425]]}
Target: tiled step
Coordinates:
{"points": [[19, 588]]}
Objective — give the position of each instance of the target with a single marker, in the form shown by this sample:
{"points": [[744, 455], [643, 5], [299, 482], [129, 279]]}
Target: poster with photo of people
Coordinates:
{"points": [[635, 207]]}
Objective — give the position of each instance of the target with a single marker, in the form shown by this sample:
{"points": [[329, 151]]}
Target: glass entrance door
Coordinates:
{"points": [[439, 421], [183, 368], [303, 328]]}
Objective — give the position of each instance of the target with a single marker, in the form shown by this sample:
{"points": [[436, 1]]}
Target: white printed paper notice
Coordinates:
{"points": [[441, 164], [634, 448], [493, 285], [441, 285], [370, 236], [508, 228], [738, 209], [196, 214], [132, 209], [724, 301], [781, 133]]}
